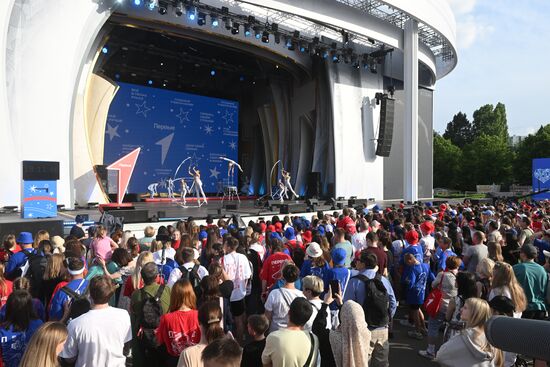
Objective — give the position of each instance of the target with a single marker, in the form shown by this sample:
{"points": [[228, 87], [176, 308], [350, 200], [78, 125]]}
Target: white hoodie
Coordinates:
{"points": [[462, 351]]}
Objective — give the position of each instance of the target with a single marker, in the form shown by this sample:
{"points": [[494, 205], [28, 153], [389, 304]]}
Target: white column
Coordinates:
{"points": [[410, 141]]}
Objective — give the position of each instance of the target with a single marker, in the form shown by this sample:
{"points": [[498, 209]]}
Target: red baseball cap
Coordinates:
{"points": [[278, 226], [443, 207], [263, 227], [411, 237], [307, 236], [271, 228], [429, 212], [427, 226]]}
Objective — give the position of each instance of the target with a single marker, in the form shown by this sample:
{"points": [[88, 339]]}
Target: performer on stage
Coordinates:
{"points": [[282, 191], [231, 168], [197, 183], [288, 185], [170, 187], [184, 190], [152, 188]]}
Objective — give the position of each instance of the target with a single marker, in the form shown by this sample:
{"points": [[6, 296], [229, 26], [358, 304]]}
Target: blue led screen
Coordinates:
{"points": [[170, 127]]}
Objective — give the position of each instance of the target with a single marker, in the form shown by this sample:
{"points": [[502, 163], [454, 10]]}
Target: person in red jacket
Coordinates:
{"points": [[271, 269]]}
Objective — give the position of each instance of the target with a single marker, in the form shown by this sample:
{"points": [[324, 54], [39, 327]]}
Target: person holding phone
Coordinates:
{"points": [[312, 288]]}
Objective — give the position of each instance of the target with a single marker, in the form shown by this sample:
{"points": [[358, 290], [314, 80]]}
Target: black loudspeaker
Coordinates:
{"points": [[293, 208], [385, 131], [231, 206], [54, 227], [40, 171], [313, 185], [132, 216]]}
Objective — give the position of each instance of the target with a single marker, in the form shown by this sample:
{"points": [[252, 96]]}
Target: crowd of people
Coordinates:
{"points": [[284, 291]]}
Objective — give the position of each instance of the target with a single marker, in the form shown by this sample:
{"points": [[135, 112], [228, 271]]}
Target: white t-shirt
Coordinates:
{"points": [[359, 240], [259, 249], [316, 305], [238, 270], [98, 338], [175, 274], [278, 303], [169, 253]]}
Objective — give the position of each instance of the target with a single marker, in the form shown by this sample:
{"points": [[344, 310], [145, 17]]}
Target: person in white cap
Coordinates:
{"points": [[315, 263]]}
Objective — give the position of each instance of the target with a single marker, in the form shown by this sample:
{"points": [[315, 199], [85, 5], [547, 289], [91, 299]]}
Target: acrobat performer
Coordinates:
{"points": [[231, 167], [184, 190], [197, 183], [288, 185], [170, 187], [152, 188]]}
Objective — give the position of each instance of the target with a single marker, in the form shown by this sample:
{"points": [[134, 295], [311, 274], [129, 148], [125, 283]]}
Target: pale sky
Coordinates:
{"points": [[503, 56]]}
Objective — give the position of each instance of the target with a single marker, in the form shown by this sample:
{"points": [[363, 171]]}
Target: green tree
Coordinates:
{"points": [[447, 163], [459, 130], [533, 146], [487, 160], [490, 121]]}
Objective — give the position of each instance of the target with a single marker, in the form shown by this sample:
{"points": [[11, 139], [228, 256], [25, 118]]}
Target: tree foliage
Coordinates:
{"points": [[490, 121], [533, 146], [447, 163], [459, 130]]}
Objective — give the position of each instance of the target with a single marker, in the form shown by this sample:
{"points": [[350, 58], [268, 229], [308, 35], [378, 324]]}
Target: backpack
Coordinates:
{"points": [[151, 311], [80, 304], [35, 273], [377, 301], [297, 254], [193, 277]]}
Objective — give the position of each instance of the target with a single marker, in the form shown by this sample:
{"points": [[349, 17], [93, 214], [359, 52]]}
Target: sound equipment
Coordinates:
{"points": [[40, 171], [132, 215], [313, 185], [53, 226], [521, 336], [385, 130], [231, 205], [293, 208]]}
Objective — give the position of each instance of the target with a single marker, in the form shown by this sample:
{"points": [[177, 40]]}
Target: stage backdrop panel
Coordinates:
{"points": [[170, 127], [541, 177]]}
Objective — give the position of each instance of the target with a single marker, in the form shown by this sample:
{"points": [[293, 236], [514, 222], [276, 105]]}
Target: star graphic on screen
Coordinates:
{"points": [[194, 161], [183, 116], [228, 117], [112, 131], [214, 173], [208, 129], [33, 188], [233, 145], [143, 109], [52, 193]]}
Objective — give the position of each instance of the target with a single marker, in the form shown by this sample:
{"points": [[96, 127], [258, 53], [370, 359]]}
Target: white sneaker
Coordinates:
{"points": [[426, 354]]}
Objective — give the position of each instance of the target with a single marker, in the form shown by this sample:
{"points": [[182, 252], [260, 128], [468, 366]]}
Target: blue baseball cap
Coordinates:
{"points": [[276, 235], [338, 256], [289, 233], [24, 238], [202, 235]]}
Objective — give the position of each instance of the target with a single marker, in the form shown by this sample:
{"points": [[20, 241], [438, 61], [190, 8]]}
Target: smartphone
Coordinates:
{"points": [[335, 286]]}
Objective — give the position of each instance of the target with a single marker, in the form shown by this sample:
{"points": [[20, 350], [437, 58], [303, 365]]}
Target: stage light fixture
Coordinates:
{"points": [[105, 50], [213, 72], [324, 54], [257, 33], [277, 37], [120, 1], [236, 29], [335, 57], [265, 37], [191, 12], [117, 76], [241, 78], [214, 21], [296, 34], [247, 32], [303, 47], [228, 23], [179, 9], [163, 7], [137, 2], [153, 4], [150, 82], [201, 19]]}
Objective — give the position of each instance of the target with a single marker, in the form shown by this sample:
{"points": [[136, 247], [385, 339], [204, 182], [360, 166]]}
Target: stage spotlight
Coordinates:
{"points": [[117, 76], [153, 4], [324, 54], [303, 47], [247, 32], [105, 50], [191, 12], [137, 2], [201, 19], [228, 23], [236, 28], [214, 21], [289, 44], [265, 37], [277, 37], [241, 78], [335, 57], [296, 34], [150, 82], [257, 33], [213, 72], [179, 9], [163, 7], [120, 1]]}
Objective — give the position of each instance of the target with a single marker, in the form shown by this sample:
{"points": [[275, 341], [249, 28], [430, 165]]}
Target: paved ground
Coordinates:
{"points": [[403, 349]]}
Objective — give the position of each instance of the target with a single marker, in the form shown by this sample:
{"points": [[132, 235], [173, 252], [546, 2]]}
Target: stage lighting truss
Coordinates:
{"points": [[322, 44]]}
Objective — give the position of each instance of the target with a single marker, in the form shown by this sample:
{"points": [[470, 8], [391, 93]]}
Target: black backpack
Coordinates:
{"points": [[377, 302], [35, 274], [297, 254], [80, 303], [193, 277], [151, 312]]}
